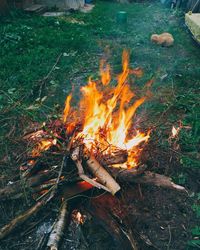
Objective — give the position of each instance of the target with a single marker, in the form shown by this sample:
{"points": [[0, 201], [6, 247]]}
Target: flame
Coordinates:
{"points": [[78, 217], [42, 146], [67, 107], [175, 131], [105, 72], [107, 113]]}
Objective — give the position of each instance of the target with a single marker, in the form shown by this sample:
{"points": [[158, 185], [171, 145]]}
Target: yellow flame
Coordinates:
{"points": [[42, 146], [108, 113]]}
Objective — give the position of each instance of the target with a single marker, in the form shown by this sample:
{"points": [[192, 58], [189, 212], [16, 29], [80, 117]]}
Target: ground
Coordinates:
{"points": [[30, 46]]}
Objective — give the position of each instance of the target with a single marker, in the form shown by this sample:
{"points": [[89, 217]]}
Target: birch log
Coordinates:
{"points": [[103, 176], [58, 228]]}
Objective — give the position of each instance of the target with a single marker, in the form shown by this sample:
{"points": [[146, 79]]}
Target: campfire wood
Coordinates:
{"points": [[46, 179], [95, 148]]}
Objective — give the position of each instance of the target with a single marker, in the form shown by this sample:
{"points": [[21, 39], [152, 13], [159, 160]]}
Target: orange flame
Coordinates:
{"points": [[42, 146], [67, 107], [105, 72], [108, 113]]}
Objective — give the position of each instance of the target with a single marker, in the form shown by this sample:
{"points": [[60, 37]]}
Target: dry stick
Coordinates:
{"points": [[43, 200], [58, 228], [43, 81], [58, 178], [7, 229], [16, 189], [147, 178]]}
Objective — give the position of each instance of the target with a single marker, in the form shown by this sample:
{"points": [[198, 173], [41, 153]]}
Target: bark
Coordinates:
{"points": [[103, 176], [148, 178], [58, 228]]}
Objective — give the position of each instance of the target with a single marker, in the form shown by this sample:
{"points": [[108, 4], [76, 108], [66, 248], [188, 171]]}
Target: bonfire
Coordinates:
{"points": [[94, 144]]}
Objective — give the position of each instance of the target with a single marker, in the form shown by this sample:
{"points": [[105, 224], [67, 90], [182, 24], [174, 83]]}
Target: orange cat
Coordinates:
{"points": [[164, 39]]}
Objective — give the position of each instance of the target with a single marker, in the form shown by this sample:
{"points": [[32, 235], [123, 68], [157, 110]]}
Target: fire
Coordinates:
{"points": [[42, 146], [107, 113], [175, 131], [78, 217]]}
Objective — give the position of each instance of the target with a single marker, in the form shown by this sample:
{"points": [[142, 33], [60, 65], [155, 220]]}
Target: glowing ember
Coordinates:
{"points": [[107, 113], [78, 217], [175, 131], [42, 146]]}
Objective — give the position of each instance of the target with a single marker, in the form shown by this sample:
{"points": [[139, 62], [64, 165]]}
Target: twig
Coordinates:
{"points": [[170, 237], [19, 220], [55, 187], [43, 81]]}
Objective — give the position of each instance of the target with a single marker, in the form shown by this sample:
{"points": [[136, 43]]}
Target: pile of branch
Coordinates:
{"points": [[93, 171]]}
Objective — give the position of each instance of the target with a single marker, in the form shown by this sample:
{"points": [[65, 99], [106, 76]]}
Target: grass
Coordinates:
{"points": [[30, 45]]}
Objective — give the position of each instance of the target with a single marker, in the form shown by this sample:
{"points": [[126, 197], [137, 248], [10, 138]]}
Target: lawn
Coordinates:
{"points": [[31, 45]]}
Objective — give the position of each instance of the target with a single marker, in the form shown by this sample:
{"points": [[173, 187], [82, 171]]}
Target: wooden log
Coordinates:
{"points": [[103, 176], [58, 228], [148, 177], [117, 157], [82, 175], [69, 192]]}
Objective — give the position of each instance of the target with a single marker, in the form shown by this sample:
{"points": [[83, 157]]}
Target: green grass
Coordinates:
{"points": [[30, 45]]}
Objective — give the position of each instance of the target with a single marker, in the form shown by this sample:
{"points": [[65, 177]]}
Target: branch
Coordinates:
{"points": [[148, 178], [58, 228]]}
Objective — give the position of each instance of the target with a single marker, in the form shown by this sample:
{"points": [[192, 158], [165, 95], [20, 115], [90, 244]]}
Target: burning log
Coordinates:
{"points": [[116, 157], [58, 228]]}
